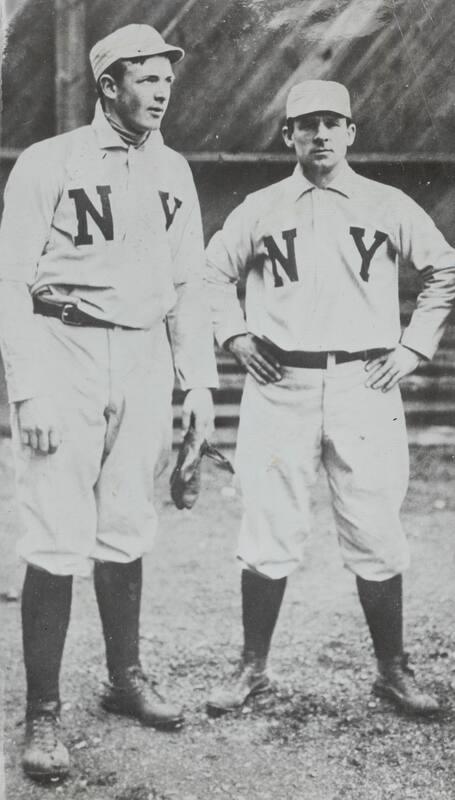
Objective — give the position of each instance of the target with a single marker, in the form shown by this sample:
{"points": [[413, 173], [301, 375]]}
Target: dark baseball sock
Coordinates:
{"points": [[46, 607], [382, 603], [118, 590], [261, 603]]}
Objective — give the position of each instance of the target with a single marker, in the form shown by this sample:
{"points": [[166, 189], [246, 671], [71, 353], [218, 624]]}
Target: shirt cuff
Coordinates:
{"points": [[24, 382], [419, 341]]}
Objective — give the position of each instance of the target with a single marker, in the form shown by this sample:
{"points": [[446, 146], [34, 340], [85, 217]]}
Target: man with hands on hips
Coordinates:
{"points": [[101, 302], [260, 361], [322, 345]]}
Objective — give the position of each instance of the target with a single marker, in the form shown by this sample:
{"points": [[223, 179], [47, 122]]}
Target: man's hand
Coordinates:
{"points": [[198, 405], [38, 425], [257, 357], [385, 371]]}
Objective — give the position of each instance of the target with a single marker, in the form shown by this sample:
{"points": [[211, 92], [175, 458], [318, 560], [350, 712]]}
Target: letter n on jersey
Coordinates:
{"points": [[287, 261], [366, 255], [84, 207]]}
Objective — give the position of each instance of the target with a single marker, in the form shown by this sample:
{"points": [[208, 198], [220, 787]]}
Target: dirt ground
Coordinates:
{"points": [[321, 735]]}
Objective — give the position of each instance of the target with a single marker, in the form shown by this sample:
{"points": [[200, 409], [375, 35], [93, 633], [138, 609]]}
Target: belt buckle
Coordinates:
{"points": [[66, 310]]}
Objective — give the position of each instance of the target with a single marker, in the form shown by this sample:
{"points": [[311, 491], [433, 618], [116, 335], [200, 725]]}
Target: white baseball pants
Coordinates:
{"points": [[286, 430]]}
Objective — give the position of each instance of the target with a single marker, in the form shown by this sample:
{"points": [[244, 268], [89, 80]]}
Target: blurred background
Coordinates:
{"points": [[396, 57]]}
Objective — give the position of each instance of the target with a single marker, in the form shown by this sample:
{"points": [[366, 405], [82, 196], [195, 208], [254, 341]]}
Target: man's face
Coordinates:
{"points": [[320, 140], [140, 100]]}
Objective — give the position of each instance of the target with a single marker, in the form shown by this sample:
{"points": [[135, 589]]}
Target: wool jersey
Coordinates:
{"points": [[321, 267], [113, 228]]}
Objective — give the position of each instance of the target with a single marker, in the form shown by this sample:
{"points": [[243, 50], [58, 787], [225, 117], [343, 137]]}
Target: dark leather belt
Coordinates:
{"points": [[69, 314], [313, 360]]}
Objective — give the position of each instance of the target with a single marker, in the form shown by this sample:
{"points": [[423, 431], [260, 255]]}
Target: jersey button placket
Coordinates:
{"points": [[315, 285], [127, 201]]}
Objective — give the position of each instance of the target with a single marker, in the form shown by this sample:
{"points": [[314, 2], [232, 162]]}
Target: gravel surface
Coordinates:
{"points": [[320, 735]]}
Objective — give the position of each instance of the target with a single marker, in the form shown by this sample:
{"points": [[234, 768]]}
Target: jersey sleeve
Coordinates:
{"points": [[424, 247], [189, 325], [227, 256], [30, 198]]}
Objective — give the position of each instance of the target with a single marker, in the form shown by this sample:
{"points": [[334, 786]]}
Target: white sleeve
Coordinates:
{"points": [[30, 199], [188, 321], [227, 257], [21, 341], [29, 202], [425, 248]]}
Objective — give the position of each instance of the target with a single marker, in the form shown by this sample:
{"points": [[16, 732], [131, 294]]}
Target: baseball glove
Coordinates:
{"points": [[185, 481]]}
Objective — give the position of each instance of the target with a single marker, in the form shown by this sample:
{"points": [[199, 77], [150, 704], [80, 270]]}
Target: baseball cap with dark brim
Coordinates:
{"points": [[131, 41], [310, 97]]}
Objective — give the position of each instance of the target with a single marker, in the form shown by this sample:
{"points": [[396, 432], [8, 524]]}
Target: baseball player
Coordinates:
{"points": [[321, 342], [100, 297]]}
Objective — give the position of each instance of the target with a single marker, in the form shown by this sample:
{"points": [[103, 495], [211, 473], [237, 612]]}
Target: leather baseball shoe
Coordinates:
{"points": [[134, 695], [395, 681], [45, 756], [249, 680]]}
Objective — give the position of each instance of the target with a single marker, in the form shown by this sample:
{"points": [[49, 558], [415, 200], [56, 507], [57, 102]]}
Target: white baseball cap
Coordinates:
{"points": [[130, 42], [309, 97]]}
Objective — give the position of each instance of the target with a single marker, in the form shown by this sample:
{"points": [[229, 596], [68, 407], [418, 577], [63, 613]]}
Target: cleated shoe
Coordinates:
{"points": [[249, 680], [45, 756], [396, 682], [134, 695]]}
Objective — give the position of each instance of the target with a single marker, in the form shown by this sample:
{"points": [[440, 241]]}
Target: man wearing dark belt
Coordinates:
{"points": [[321, 343], [100, 297]]}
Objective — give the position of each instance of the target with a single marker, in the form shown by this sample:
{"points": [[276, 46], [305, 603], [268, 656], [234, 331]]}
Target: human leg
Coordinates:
{"points": [[383, 608], [261, 603], [57, 507], [138, 418], [46, 605], [277, 461], [118, 590], [382, 603], [365, 455]]}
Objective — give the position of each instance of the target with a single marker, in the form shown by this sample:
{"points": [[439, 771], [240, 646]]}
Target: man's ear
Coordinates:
{"points": [[352, 130], [108, 86], [287, 137]]}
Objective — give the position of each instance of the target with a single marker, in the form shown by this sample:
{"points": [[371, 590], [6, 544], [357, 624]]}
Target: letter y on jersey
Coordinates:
{"points": [[366, 255], [164, 196]]}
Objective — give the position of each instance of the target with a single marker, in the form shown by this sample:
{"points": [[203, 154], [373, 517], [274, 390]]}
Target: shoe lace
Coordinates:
{"points": [[140, 683], [44, 730]]}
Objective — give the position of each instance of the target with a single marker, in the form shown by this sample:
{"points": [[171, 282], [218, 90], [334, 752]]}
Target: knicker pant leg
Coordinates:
{"points": [[55, 492], [138, 439], [365, 454], [277, 459]]}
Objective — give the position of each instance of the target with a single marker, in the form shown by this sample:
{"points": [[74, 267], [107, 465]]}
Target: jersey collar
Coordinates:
{"points": [[109, 139], [344, 182]]}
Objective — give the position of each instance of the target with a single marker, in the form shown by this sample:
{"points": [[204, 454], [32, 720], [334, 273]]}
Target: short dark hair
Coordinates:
{"points": [[117, 71]]}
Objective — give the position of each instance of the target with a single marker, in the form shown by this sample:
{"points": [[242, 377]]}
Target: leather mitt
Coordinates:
{"points": [[185, 480]]}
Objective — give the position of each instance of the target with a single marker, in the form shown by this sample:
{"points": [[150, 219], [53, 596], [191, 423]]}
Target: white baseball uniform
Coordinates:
{"points": [[117, 231], [321, 273]]}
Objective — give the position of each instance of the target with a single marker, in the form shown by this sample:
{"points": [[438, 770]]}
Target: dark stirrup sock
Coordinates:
{"points": [[382, 603], [118, 590], [261, 603], [46, 607]]}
